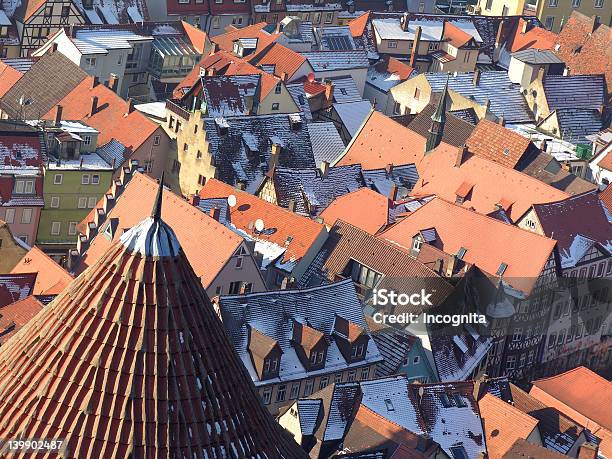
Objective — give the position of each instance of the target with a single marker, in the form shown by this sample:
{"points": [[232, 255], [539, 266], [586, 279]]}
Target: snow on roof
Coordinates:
{"points": [[134, 14], [308, 412], [89, 161], [101, 41], [273, 314], [9, 7], [353, 114], [151, 238], [77, 127], [326, 61], [326, 142], [4, 20], [112, 151], [155, 109], [345, 90]]}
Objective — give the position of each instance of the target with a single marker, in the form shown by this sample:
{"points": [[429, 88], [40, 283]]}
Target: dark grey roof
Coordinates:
{"points": [[457, 356], [273, 314], [455, 131], [206, 205], [537, 56], [466, 114], [301, 100], [575, 124], [326, 142], [495, 86], [345, 90], [381, 180], [227, 95], [242, 154], [327, 61], [394, 345], [308, 187], [111, 151], [47, 82], [310, 412], [574, 91]]}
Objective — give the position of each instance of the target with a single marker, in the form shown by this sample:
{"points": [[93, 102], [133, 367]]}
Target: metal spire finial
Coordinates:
{"points": [[157, 206]]}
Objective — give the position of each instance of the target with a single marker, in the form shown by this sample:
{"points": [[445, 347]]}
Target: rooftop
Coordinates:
{"points": [[100, 41], [15, 287], [51, 278], [494, 142], [326, 142], [364, 208], [16, 315], [327, 61], [574, 91]]}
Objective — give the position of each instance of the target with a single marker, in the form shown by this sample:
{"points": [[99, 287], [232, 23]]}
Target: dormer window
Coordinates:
{"points": [[317, 357], [417, 242], [357, 351], [270, 365]]}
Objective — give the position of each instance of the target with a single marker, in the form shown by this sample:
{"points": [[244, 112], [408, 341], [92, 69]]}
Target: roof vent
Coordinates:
{"points": [[222, 125]]}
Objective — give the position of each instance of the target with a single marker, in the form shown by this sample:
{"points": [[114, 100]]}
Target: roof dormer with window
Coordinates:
{"points": [[265, 354], [310, 346], [351, 339]]}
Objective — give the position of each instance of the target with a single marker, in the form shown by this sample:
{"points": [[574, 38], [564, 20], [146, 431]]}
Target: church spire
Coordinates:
{"points": [[156, 211], [438, 119]]}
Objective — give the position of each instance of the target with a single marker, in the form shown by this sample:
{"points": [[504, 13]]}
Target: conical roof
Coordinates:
{"points": [[132, 361]]}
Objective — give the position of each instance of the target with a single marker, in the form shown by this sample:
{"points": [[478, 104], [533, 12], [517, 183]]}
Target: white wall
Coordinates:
{"points": [[598, 173]]}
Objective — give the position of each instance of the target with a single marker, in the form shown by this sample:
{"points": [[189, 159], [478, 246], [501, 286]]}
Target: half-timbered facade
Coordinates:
{"points": [[37, 20]]}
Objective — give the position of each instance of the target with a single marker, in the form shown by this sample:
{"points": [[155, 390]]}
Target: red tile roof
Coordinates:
{"points": [[302, 230], [522, 449], [382, 141], [364, 208], [8, 77], [503, 425], [196, 36], [357, 26], [454, 35], [568, 390], [585, 51], [15, 287], [606, 197], [217, 61], [285, 60], [226, 40], [534, 38], [606, 161], [395, 66], [51, 278], [493, 183], [207, 243], [489, 242], [16, 315], [496, 143], [111, 118]]}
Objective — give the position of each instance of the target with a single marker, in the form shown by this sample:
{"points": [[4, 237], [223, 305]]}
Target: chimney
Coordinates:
{"points": [[393, 192], [588, 451], [566, 71], [476, 77], [284, 77], [94, 82], [53, 48], [502, 121], [424, 442], [415, 46], [274, 155], [94, 106], [541, 72], [195, 200], [324, 169], [215, 213], [58, 114], [461, 156], [450, 267], [113, 82], [389, 169], [211, 71], [130, 106], [543, 145], [594, 23], [404, 22], [214, 48], [329, 93], [524, 25], [291, 205], [438, 266]]}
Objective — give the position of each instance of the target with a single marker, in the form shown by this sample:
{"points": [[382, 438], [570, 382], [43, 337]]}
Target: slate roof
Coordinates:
{"points": [[353, 114], [15, 287], [51, 278], [403, 176], [16, 315], [576, 124], [114, 12], [345, 90], [273, 314], [310, 413], [457, 356], [571, 220], [326, 142], [494, 86], [489, 242], [388, 73], [575, 91], [310, 189], [225, 96], [394, 345], [327, 61], [100, 41], [455, 130], [235, 160], [536, 56], [44, 92], [301, 100], [400, 272]]}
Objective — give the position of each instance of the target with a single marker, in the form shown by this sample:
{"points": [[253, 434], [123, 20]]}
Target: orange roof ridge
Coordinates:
{"points": [[357, 26]]}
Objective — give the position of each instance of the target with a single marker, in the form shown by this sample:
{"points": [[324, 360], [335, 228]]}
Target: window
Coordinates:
{"points": [[48, 11], [323, 382], [55, 202], [199, 155], [517, 335], [308, 387], [95, 179], [26, 216], [459, 402], [365, 373], [24, 238], [575, 3], [466, 58], [216, 23], [90, 62], [530, 357], [329, 17], [185, 147], [82, 204], [56, 228], [65, 11], [316, 18], [58, 179], [24, 187], [417, 93], [201, 180], [267, 395], [281, 393], [338, 378], [239, 262], [389, 404], [156, 140], [278, 88], [397, 108], [458, 452], [511, 362], [357, 351], [176, 166], [553, 3], [416, 360], [549, 22], [85, 179], [392, 44], [275, 106], [9, 216], [433, 46], [72, 228], [135, 77], [91, 202], [599, 3], [295, 391], [489, 4], [351, 376], [552, 340]]}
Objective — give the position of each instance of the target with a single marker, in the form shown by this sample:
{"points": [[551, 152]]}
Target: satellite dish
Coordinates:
{"points": [[259, 225], [311, 77], [231, 200]]}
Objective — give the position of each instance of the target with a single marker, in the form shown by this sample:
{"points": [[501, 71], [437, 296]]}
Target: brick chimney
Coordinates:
{"points": [[58, 114], [450, 266], [594, 23], [195, 200], [404, 22], [211, 71], [461, 155], [274, 156], [415, 46], [113, 82], [94, 106], [284, 77], [588, 451], [329, 93], [291, 205], [130, 106], [524, 25]]}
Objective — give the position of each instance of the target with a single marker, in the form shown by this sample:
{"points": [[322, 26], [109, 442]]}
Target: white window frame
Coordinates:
{"points": [[55, 202], [29, 212], [95, 179], [91, 202], [392, 44], [156, 140], [58, 179], [85, 179], [56, 228], [10, 212], [82, 202], [72, 228], [599, 3]]}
